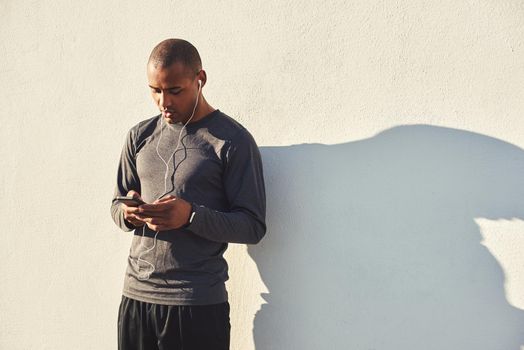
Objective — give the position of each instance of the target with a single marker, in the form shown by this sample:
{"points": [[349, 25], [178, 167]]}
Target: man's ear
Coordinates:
{"points": [[202, 77]]}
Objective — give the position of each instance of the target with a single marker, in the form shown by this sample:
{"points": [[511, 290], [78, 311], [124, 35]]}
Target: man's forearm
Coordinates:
{"points": [[230, 227]]}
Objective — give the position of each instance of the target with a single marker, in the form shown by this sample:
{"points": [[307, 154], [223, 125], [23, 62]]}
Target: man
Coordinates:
{"points": [[201, 173]]}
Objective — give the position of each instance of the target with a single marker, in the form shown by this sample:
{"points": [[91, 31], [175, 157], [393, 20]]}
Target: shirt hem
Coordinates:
{"points": [[175, 301]]}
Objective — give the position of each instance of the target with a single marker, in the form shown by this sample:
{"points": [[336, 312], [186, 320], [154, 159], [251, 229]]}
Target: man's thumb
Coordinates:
{"points": [[166, 198]]}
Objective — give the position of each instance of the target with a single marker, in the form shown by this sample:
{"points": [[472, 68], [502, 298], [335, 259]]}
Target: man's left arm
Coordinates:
{"points": [[244, 187]]}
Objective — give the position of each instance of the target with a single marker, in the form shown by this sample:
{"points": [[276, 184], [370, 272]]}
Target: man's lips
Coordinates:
{"points": [[168, 113]]}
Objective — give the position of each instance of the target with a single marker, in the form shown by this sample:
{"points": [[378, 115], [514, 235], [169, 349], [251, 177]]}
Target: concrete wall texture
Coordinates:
{"points": [[393, 144]]}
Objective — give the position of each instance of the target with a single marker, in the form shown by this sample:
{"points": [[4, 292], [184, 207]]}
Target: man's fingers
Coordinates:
{"points": [[153, 221], [134, 220], [137, 223], [134, 194], [155, 207], [153, 227], [145, 217], [131, 210], [157, 227], [142, 214], [132, 217]]}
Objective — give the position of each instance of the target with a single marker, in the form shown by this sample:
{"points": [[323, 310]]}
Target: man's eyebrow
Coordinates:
{"points": [[169, 88]]}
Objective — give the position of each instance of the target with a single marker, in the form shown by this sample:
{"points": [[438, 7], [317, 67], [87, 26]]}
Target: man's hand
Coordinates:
{"points": [[128, 211], [164, 214]]}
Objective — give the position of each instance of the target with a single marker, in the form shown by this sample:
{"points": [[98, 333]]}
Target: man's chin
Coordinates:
{"points": [[175, 119]]}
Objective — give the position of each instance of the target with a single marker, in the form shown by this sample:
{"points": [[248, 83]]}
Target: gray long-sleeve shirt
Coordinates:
{"points": [[217, 167]]}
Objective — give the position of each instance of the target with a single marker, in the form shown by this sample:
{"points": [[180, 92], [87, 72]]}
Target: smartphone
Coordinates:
{"points": [[129, 201]]}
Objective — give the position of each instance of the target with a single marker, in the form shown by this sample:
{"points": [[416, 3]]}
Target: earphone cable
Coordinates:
{"points": [[145, 276]]}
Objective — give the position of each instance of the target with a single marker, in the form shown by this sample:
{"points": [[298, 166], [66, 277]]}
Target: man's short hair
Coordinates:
{"points": [[172, 51]]}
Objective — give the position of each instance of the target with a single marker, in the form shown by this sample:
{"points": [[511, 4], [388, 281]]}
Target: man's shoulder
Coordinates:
{"points": [[145, 125], [227, 128], [141, 130]]}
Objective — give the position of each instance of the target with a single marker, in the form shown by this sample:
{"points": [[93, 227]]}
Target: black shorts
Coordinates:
{"points": [[146, 326]]}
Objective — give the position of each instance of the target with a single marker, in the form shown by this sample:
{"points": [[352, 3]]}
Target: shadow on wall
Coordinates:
{"points": [[373, 244]]}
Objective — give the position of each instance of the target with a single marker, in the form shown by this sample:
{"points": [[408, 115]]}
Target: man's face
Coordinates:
{"points": [[174, 90]]}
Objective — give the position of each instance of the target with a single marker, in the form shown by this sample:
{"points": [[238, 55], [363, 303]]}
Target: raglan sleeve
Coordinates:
{"points": [[126, 180], [243, 182]]}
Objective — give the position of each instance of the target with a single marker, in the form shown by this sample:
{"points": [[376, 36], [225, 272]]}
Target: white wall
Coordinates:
{"points": [[392, 138]]}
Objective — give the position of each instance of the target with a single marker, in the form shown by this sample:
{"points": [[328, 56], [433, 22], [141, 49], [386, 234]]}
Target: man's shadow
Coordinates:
{"points": [[373, 244]]}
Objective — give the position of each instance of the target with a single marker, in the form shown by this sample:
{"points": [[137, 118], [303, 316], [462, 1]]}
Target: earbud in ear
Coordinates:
{"points": [[200, 83]]}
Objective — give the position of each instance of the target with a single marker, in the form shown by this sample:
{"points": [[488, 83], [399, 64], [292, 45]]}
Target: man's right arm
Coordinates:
{"points": [[127, 179]]}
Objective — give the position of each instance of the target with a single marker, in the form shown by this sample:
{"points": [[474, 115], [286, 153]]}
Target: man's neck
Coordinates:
{"points": [[202, 110]]}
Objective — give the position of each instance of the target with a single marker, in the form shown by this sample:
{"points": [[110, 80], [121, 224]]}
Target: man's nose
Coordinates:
{"points": [[164, 102]]}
